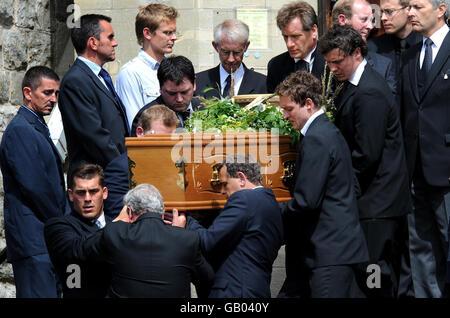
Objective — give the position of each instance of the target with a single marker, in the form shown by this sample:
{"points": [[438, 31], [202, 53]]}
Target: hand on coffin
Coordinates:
{"points": [[178, 218]]}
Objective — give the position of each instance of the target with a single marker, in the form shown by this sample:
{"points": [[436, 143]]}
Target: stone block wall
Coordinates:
{"points": [[195, 26], [32, 32]]}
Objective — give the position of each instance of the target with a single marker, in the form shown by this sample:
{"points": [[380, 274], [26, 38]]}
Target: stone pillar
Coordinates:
{"points": [[32, 32]]}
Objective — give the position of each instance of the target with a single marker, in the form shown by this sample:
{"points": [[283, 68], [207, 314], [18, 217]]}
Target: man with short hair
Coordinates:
{"points": [[368, 118], [177, 79], [33, 181], [94, 118], [358, 14], [149, 259], [324, 240], [243, 240], [299, 27], [398, 35], [231, 77], [137, 83], [158, 119], [425, 115], [63, 235]]}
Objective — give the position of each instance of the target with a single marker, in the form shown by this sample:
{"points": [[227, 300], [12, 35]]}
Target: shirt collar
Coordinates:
{"points": [[309, 58], [238, 74], [356, 77], [438, 36], [310, 120], [100, 219], [95, 68], [154, 64]]}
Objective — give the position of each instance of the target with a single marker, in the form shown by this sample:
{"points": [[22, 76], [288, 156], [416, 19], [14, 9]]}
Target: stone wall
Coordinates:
{"points": [[32, 32]]}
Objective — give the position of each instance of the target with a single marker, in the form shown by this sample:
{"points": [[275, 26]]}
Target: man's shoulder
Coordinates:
{"points": [[280, 59], [136, 66], [208, 73], [254, 74]]}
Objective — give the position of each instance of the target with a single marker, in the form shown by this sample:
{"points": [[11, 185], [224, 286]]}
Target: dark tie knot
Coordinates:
{"points": [[301, 65], [428, 42], [184, 114]]}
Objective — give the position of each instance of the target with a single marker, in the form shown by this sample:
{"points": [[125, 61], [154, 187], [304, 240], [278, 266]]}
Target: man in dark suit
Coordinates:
{"points": [[425, 116], [149, 258], [177, 80], [95, 123], [63, 235], [398, 35], [324, 240], [231, 77], [358, 14], [368, 118], [298, 24], [33, 181], [243, 241]]}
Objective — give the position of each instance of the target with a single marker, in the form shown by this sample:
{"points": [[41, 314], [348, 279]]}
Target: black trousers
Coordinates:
{"points": [[387, 242]]}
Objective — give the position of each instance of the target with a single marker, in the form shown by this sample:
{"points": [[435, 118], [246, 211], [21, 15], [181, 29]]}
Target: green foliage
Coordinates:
{"points": [[226, 116]]}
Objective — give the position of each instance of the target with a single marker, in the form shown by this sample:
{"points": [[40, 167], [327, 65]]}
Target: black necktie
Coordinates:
{"points": [[226, 90], [184, 116], [105, 75], [428, 58], [301, 65]]}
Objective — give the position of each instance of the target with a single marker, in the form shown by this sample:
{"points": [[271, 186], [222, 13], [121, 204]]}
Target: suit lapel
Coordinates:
{"points": [[103, 88], [438, 63], [244, 84], [412, 70]]}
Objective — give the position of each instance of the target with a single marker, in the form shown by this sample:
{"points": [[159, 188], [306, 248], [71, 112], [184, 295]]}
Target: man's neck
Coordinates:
{"points": [[430, 32], [93, 57], [149, 50], [403, 33]]}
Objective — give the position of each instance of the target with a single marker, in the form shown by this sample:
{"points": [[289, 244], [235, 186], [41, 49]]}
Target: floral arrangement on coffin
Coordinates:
{"points": [[328, 96], [223, 115]]}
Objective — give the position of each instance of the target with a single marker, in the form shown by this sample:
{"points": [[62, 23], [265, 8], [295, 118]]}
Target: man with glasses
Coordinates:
{"points": [[231, 77], [398, 36], [358, 14], [137, 83]]}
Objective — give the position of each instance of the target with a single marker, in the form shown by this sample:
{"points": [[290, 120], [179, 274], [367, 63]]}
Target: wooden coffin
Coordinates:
{"points": [[182, 166]]}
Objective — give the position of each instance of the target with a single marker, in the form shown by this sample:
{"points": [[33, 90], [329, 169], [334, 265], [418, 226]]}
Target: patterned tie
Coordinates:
{"points": [[108, 80], [226, 90], [98, 223], [301, 65]]}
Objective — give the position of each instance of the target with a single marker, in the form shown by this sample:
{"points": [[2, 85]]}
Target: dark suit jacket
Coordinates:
{"points": [[426, 119], [33, 182], [64, 236], [252, 83], [388, 45], [368, 118], [242, 244], [321, 219], [150, 259], [384, 67], [282, 65], [95, 129], [159, 101]]}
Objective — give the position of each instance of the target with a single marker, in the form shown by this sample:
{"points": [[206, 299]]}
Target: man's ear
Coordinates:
{"points": [[105, 193], [147, 33], [139, 131], [70, 193], [342, 19], [27, 93], [242, 178], [216, 47], [92, 43]]}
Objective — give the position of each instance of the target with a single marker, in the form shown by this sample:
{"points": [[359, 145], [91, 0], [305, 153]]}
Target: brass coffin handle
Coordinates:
{"points": [[215, 180]]}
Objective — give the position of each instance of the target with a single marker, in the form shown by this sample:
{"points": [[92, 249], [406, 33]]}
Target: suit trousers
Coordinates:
{"points": [[35, 277], [335, 281], [387, 241], [428, 235]]}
